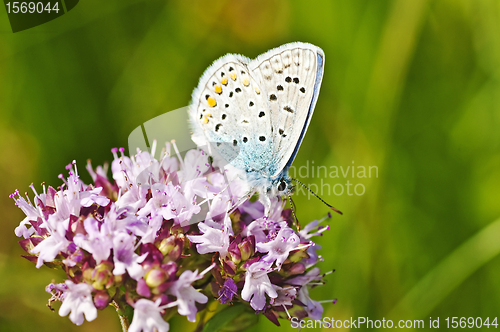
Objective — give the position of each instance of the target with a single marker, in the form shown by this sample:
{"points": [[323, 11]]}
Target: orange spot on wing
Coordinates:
{"points": [[211, 101]]}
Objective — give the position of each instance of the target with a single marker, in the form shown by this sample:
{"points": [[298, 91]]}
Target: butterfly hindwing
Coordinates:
{"points": [[230, 111]]}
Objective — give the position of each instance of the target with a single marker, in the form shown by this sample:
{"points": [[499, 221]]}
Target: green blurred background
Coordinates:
{"points": [[412, 87]]}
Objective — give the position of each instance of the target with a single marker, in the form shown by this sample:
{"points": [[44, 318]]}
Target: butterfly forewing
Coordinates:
{"points": [[231, 111], [290, 76]]}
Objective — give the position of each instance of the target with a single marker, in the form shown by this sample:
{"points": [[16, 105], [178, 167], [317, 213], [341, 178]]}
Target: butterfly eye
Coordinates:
{"points": [[282, 186]]}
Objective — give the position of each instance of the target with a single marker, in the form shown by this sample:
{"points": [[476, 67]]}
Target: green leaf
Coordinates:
{"points": [[223, 317]]}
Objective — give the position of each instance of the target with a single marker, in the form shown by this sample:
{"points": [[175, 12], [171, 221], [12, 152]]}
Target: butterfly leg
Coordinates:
{"points": [[293, 208], [266, 201], [242, 200]]}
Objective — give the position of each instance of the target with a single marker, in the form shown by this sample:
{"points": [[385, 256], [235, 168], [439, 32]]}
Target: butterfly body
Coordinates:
{"points": [[255, 113]]}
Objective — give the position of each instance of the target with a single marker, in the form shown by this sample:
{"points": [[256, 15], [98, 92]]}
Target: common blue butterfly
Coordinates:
{"points": [[255, 113]]}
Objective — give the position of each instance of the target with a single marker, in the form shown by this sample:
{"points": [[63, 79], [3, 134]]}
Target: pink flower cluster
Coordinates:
{"points": [[131, 241]]}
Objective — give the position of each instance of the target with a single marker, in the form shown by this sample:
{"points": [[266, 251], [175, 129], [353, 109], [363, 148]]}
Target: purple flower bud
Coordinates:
{"points": [[170, 269], [101, 300], [235, 256], [176, 252], [233, 249], [154, 254], [247, 247], [297, 268], [142, 288]]}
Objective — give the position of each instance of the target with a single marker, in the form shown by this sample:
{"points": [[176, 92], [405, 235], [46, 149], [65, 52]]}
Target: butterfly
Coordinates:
{"points": [[255, 113]]}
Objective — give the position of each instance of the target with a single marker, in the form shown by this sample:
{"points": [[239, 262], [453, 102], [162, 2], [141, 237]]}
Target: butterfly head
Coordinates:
{"points": [[280, 187]]}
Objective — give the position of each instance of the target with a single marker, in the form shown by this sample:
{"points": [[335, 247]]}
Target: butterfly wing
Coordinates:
{"points": [[291, 77], [229, 111]]}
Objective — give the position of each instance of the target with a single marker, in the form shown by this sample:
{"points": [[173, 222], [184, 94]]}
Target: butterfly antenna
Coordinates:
{"points": [[312, 192], [292, 205]]}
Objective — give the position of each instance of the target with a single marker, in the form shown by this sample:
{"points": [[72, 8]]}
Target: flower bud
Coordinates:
{"points": [[247, 248], [297, 268], [142, 288], [155, 277], [175, 253], [101, 300], [172, 247], [101, 275], [235, 253], [298, 256], [87, 274], [167, 245]]}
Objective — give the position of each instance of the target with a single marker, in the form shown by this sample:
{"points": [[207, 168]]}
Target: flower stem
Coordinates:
{"points": [[123, 319]]}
